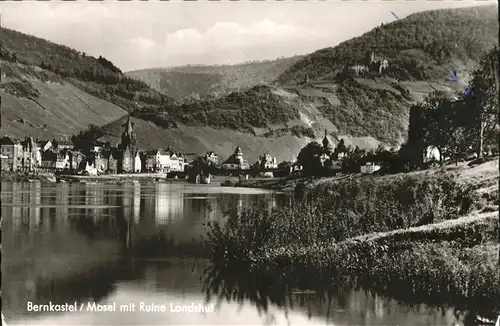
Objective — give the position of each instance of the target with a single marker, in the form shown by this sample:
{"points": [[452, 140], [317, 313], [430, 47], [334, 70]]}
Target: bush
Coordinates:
{"points": [[339, 211]]}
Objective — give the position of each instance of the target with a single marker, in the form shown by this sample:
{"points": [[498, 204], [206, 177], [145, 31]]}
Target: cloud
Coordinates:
{"points": [[223, 36], [142, 34], [142, 43]]}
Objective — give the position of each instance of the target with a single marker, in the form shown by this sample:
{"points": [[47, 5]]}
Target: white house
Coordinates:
{"points": [[165, 161], [91, 169], [212, 157], [176, 163], [63, 160], [44, 145], [266, 161], [431, 153], [236, 161], [369, 168], [137, 162]]}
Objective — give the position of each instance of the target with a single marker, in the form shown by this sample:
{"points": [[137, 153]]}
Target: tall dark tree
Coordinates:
{"points": [[484, 100], [85, 140], [309, 158]]}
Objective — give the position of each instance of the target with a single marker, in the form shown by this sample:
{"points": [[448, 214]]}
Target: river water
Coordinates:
{"points": [[64, 244]]}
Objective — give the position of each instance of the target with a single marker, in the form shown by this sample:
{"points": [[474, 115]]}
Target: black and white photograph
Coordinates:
{"points": [[250, 163]]}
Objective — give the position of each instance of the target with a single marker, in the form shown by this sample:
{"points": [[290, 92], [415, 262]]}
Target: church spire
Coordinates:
{"points": [[129, 126], [128, 135], [326, 143]]}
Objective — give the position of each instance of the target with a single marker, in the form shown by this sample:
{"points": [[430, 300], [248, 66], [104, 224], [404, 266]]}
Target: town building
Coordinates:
{"points": [[370, 167], [149, 161], [372, 62], [78, 160], [49, 159], [163, 161], [63, 143], [327, 150], [4, 161], [63, 161], [137, 162], [378, 63], [341, 151], [101, 160], [128, 150], [359, 69], [236, 161], [113, 157], [44, 145], [431, 154], [91, 169], [32, 156], [266, 162], [14, 152], [176, 163], [212, 157]]}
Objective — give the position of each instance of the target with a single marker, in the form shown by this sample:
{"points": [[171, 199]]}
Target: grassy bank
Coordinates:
{"points": [[427, 237], [280, 184]]}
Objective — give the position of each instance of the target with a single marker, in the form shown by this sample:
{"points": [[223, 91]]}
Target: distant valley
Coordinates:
{"points": [[196, 82]]}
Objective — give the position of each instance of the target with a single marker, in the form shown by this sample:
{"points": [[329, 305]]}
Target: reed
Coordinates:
{"points": [[400, 235]]}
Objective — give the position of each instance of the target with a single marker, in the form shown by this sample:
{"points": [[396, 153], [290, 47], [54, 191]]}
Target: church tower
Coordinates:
{"points": [[128, 147], [327, 148], [128, 135]]}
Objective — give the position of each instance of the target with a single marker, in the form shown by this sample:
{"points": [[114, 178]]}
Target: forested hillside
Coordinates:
{"points": [[196, 82], [375, 104], [97, 76], [421, 46]]}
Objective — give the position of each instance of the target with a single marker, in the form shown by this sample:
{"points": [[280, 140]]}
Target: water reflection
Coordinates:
{"points": [[341, 304], [69, 241], [72, 242]]}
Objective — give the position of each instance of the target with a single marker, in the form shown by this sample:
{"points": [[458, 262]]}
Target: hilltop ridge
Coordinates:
{"points": [[423, 46], [202, 82], [50, 90]]}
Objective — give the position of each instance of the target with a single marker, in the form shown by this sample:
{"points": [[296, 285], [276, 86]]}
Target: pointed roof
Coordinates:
{"points": [[326, 142], [232, 160], [6, 141], [129, 125]]}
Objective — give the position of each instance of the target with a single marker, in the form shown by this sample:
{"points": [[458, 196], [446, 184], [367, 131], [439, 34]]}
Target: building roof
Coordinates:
{"points": [[49, 156], [6, 141], [238, 151], [64, 141], [9, 141], [42, 143], [232, 160]]}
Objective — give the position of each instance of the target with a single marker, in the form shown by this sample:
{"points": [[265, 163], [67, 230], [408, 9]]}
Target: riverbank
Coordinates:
{"points": [[17, 176], [428, 236], [463, 172], [8, 176], [145, 177]]}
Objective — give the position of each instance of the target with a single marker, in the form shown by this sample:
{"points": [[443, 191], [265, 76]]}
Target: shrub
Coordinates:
{"points": [[339, 211]]}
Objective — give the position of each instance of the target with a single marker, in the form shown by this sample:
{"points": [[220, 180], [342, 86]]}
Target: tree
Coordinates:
{"points": [[201, 165], [484, 100], [438, 122], [309, 158], [84, 140]]}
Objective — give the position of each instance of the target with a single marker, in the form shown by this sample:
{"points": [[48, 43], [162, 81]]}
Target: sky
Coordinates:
{"points": [[147, 34]]}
